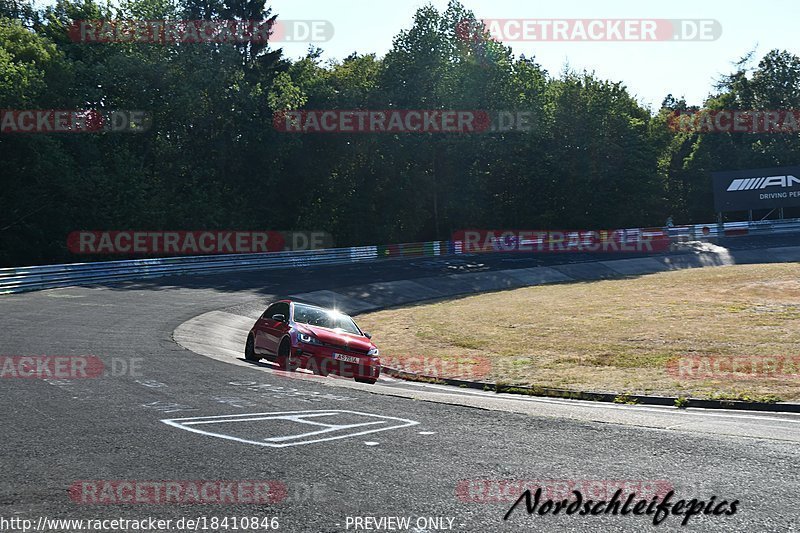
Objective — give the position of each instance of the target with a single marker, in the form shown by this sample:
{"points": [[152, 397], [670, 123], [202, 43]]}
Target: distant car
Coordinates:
{"points": [[325, 341]]}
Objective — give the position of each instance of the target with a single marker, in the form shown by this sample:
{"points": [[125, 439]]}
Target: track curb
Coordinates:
{"points": [[637, 399]]}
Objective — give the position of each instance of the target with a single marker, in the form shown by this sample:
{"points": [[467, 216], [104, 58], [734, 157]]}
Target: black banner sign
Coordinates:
{"points": [[758, 188]]}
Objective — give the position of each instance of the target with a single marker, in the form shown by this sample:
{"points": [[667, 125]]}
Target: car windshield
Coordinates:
{"points": [[325, 318]]}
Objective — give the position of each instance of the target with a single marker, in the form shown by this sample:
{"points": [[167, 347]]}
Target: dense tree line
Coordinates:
{"points": [[213, 160]]}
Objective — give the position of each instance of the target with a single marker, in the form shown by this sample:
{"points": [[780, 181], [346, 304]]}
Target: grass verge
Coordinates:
{"points": [[617, 336]]}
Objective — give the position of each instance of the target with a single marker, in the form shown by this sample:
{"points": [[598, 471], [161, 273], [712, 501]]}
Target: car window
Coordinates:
{"points": [[325, 318], [270, 311], [281, 309]]}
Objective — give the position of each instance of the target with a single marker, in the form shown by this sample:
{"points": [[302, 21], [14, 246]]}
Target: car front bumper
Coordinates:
{"points": [[323, 360]]}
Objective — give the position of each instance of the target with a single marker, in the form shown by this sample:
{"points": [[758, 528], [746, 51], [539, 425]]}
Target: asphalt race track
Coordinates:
{"points": [[438, 455]]}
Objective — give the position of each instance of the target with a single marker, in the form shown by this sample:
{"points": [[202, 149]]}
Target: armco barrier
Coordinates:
{"points": [[734, 229], [22, 279]]}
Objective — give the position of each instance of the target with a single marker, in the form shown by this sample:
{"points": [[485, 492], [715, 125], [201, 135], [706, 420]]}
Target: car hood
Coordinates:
{"points": [[338, 338]]}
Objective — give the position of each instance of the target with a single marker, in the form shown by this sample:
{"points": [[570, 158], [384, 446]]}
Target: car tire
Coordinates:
{"points": [[284, 360], [249, 350], [368, 381]]}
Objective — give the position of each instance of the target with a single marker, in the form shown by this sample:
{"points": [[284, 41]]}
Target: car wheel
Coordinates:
{"points": [[369, 381], [249, 350], [285, 361]]}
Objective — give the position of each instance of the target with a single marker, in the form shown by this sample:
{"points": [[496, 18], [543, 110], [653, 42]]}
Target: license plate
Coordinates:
{"points": [[346, 358]]}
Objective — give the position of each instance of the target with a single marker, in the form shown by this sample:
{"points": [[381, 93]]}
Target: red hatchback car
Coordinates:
{"points": [[325, 341]]}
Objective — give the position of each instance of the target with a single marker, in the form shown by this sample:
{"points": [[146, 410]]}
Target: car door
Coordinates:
{"points": [[262, 326], [274, 330]]}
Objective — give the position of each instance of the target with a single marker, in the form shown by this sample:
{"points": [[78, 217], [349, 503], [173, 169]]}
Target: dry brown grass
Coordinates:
{"points": [[613, 335]]}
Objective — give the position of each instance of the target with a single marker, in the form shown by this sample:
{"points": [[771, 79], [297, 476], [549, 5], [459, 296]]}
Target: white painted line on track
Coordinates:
{"points": [[298, 417]]}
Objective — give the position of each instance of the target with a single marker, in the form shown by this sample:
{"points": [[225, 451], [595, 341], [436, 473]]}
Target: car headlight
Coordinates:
{"points": [[308, 339], [374, 352]]}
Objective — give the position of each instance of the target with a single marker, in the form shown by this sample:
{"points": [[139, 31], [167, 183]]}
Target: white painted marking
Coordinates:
{"points": [[320, 432], [371, 443], [233, 401], [298, 417], [281, 392], [153, 384], [58, 382], [168, 407], [427, 432]]}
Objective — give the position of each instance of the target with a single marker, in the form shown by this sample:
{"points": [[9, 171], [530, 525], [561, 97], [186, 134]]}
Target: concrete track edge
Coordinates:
{"points": [[375, 296]]}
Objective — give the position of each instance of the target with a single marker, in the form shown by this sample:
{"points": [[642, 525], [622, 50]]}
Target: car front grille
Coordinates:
{"points": [[344, 348]]}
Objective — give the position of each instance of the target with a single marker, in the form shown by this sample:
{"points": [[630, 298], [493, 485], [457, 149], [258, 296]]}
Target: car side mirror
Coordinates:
{"points": [[279, 317], [367, 335]]}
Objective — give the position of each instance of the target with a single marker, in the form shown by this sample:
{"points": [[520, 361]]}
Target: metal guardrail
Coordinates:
{"points": [[14, 280], [734, 229]]}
